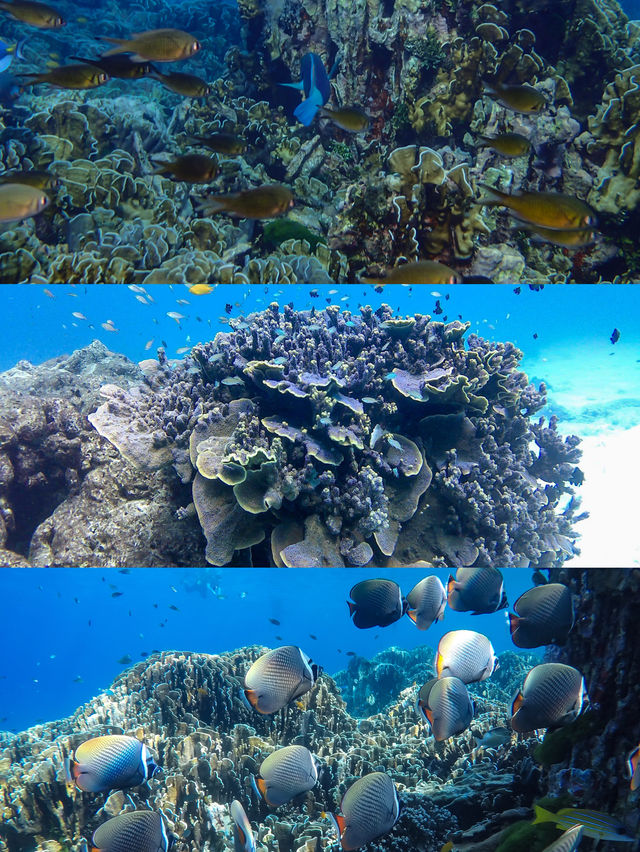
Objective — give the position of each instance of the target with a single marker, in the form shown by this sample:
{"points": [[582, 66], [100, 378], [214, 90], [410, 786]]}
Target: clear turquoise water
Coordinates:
{"points": [[64, 639], [564, 332]]}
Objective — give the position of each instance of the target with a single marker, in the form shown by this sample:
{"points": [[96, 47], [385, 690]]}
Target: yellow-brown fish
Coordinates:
{"points": [[37, 14], [571, 239], [263, 202], [553, 210], [164, 45], [19, 201], [221, 143], [348, 118], [419, 272], [69, 77], [119, 66], [523, 98], [192, 168], [37, 178], [183, 84], [507, 144]]}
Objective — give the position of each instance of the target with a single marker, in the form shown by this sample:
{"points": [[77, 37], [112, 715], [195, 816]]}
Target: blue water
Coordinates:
{"points": [[564, 332], [63, 632]]}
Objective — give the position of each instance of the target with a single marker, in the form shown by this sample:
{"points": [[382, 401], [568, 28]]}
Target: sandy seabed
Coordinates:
{"points": [[610, 537]]}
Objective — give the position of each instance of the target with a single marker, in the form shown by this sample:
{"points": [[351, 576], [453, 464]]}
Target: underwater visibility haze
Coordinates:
{"points": [[222, 709], [309, 427], [279, 142]]}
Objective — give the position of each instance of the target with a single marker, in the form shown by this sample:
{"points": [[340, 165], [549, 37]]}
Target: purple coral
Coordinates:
{"points": [[326, 386]]}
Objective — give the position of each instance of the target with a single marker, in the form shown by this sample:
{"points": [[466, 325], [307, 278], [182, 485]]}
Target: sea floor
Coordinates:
{"points": [[611, 464], [600, 403]]}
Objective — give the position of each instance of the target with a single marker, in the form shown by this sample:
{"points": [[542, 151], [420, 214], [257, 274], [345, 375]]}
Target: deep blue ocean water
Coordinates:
{"points": [[64, 632]]}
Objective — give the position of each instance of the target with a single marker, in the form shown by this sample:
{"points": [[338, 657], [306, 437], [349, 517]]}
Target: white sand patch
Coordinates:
{"points": [[610, 536]]}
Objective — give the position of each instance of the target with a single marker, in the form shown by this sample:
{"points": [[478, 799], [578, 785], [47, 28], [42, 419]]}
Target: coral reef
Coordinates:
{"points": [[304, 417], [417, 68], [66, 497], [208, 744], [370, 686]]}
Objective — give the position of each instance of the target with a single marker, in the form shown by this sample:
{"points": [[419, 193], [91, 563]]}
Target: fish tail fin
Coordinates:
{"points": [[338, 821], [33, 78], [451, 585], [413, 614], [18, 49], [71, 770], [516, 702], [514, 621], [542, 815], [252, 697], [299, 85], [255, 787], [306, 111], [122, 45], [493, 197], [245, 700], [352, 607], [212, 204]]}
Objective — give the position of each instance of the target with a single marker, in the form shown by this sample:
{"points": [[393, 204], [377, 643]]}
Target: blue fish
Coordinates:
{"points": [[9, 52], [10, 89], [315, 86]]}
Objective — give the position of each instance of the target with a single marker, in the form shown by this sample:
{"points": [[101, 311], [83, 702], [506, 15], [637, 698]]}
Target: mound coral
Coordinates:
{"points": [[295, 417]]}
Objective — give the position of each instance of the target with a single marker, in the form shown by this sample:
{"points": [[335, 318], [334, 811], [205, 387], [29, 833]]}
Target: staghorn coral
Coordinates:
{"points": [[306, 415]]}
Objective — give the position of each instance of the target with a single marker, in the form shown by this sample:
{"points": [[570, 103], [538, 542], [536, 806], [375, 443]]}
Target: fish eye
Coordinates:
{"points": [[195, 46], [43, 201]]}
